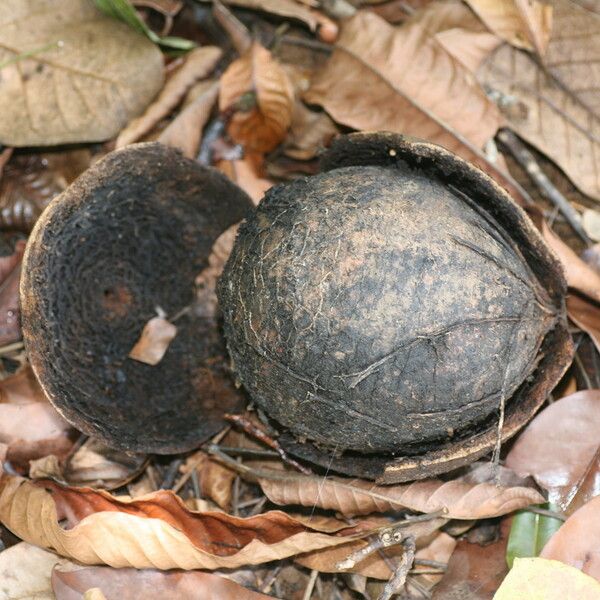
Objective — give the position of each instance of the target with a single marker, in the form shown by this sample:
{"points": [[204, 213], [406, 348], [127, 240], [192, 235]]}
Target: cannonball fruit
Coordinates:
{"points": [[128, 238], [381, 312]]}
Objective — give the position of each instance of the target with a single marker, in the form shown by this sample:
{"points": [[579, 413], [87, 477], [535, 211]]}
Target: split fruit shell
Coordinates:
{"points": [[380, 313], [128, 237]]}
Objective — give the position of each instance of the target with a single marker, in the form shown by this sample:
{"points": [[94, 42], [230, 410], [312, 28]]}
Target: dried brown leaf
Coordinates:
{"points": [[258, 91], [25, 572], [459, 498], [557, 447], [198, 64], [131, 584], [185, 131], [29, 424], [214, 479], [474, 572], [154, 341], [70, 74], [523, 23], [555, 108], [586, 315], [310, 132], [416, 85], [577, 542], [375, 565], [156, 531]]}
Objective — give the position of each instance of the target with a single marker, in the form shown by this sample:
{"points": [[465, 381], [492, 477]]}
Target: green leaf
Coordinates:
{"points": [[124, 11], [529, 533]]}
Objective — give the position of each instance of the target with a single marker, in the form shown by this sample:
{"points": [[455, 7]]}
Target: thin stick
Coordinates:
{"points": [[10, 348], [396, 583], [310, 586], [527, 160], [547, 513]]}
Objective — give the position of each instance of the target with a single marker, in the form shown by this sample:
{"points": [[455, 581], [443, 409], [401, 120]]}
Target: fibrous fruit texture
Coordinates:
{"points": [[386, 305], [128, 238]]}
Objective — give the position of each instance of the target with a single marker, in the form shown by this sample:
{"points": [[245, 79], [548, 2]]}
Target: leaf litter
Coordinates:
{"points": [[259, 92]]}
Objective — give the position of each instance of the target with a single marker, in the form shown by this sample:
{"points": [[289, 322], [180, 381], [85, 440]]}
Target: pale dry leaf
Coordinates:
{"points": [[25, 572], [70, 74], [523, 23], [185, 131], [154, 341], [543, 579], [198, 64], [458, 498], [131, 584], [558, 445], [94, 594], [245, 174], [258, 91], [47, 467], [590, 220], [555, 108], [29, 424], [577, 542], [156, 531], [417, 86], [215, 480]]}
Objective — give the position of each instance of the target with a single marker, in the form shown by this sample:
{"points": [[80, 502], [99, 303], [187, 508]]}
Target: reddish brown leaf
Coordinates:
{"points": [[577, 542], [557, 447], [156, 531], [474, 572], [29, 424], [258, 91], [585, 313], [131, 584]]}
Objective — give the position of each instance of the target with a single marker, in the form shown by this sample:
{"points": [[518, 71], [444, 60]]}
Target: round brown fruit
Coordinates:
{"points": [[130, 235], [379, 313]]}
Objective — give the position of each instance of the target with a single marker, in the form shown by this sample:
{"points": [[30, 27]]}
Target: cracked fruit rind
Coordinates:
{"points": [[130, 235], [379, 312]]}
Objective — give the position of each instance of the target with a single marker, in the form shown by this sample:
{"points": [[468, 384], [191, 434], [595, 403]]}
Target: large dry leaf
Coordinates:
{"points": [[463, 498], [156, 531], [523, 23], [577, 542], [70, 74], [25, 572], [29, 424], [558, 445], [556, 110], [131, 584], [405, 80], [198, 64], [260, 94], [543, 579]]}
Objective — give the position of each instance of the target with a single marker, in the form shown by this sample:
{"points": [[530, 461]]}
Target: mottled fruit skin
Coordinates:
{"points": [[130, 235], [377, 309]]}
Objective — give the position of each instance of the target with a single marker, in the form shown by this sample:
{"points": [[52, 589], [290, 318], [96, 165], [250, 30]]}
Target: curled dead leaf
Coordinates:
{"points": [[258, 91], [198, 64], [156, 531]]}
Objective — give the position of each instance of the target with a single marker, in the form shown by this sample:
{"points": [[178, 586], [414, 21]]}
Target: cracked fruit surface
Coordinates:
{"points": [[130, 235], [389, 304]]}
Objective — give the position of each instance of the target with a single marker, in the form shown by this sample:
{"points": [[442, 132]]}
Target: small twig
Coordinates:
{"points": [[171, 473], [419, 587], [398, 579], [249, 452], [257, 433], [527, 160], [306, 43], [434, 564], [33, 52], [310, 586], [546, 513], [10, 348]]}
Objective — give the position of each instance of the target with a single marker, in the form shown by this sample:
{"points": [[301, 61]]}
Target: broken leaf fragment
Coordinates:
{"points": [[70, 74], [154, 341]]}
